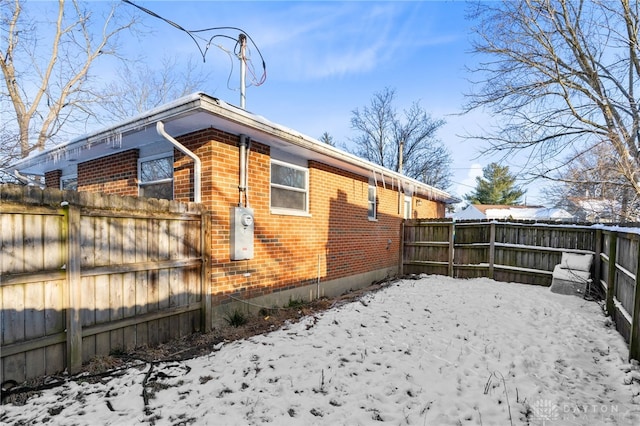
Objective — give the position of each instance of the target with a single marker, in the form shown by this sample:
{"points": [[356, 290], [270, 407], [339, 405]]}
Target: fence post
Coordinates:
{"points": [[492, 248], [205, 275], [74, 289], [611, 275], [597, 261], [634, 335], [452, 231]]}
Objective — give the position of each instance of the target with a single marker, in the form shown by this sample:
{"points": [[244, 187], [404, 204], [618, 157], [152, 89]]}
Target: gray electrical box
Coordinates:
{"points": [[241, 233]]}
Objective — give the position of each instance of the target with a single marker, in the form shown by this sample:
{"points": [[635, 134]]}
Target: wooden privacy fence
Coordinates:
{"points": [[526, 252], [84, 275]]}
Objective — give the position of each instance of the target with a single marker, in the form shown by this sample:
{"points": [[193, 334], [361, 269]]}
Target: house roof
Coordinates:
{"points": [[198, 111], [484, 207], [497, 211]]}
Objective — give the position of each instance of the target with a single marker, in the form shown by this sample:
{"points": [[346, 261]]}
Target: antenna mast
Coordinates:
{"points": [[242, 39]]}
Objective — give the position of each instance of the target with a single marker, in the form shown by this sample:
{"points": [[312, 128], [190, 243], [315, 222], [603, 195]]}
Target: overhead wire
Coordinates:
{"points": [[193, 34]]}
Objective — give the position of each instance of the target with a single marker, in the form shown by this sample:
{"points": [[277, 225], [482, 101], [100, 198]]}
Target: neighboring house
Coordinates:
{"points": [[301, 211], [493, 211], [596, 210]]}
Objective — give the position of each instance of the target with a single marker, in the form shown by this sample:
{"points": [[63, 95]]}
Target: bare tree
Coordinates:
{"points": [[561, 76], [46, 66], [139, 87], [9, 151], [592, 187], [382, 134]]}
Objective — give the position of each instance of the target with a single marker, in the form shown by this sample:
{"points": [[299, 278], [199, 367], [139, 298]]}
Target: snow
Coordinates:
{"points": [[535, 213], [431, 351]]}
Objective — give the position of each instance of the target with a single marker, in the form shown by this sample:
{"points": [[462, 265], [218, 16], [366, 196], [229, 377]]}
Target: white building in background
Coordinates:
{"points": [[495, 211]]}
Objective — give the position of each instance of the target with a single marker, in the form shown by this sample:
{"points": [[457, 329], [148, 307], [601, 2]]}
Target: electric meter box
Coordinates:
{"points": [[241, 233]]}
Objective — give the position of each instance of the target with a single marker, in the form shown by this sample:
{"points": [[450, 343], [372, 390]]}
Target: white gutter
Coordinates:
{"points": [[180, 106], [197, 164], [284, 134]]}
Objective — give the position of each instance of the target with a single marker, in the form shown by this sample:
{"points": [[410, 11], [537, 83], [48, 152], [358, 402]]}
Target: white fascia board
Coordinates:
{"points": [[273, 133], [295, 138], [177, 107]]}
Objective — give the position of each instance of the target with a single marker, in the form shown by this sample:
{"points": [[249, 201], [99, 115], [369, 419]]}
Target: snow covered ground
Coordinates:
{"points": [[435, 351]]}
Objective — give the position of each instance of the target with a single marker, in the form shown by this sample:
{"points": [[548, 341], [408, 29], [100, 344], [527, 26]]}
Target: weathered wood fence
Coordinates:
{"points": [[527, 252], [84, 275]]}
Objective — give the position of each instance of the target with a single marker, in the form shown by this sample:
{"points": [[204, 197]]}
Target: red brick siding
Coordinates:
{"points": [[423, 207], [287, 248], [52, 179], [115, 174]]}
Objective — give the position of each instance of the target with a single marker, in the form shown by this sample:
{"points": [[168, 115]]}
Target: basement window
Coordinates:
{"points": [[155, 177], [289, 188]]}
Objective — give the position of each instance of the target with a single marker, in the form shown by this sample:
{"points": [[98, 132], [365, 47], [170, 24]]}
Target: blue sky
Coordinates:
{"points": [[326, 58]]}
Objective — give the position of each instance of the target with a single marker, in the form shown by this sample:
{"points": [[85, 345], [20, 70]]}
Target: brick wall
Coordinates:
{"points": [[114, 174], [422, 207], [337, 235], [52, 179]]}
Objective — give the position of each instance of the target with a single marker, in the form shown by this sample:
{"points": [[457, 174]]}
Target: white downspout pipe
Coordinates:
{"points": [[27, 180], [197, 164]]}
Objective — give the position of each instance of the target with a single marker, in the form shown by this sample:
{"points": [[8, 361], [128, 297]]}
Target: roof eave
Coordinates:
{"points": [[225, 111]]}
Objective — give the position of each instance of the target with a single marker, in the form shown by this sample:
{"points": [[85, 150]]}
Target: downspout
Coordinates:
{"points": [[27, 180], [197, 164]]}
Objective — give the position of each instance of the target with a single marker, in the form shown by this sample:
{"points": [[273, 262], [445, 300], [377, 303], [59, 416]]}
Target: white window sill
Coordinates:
{"points": [[285, 212]]}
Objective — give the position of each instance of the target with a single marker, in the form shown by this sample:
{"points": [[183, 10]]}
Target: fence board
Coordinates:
{"points": [[139, 265], [53, 307], [528, 252], [625, 290], [479, 247]]}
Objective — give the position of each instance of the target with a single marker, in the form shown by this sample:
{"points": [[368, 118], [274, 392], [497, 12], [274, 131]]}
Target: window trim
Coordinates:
{"points": [[284, 210], [373, 202], [73, 176], [153, 182]]}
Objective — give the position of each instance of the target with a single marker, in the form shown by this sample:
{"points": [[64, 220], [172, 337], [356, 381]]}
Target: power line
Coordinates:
{"points": [[193, 34]]}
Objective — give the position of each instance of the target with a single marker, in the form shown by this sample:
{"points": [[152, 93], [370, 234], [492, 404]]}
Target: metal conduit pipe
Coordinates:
{"points": [[197, 164], [245, 146]]}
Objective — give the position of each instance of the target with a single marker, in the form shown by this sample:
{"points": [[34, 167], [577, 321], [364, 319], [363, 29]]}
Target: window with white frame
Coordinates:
{"points": [[289, 188], [155, 177], [371, 209], [69, 182]]}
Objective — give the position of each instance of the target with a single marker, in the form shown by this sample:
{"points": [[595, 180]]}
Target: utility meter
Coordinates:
{"points": [[247, 219], [241, 233]]}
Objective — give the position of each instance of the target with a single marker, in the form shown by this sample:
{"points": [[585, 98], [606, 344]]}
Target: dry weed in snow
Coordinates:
{"points": [[436, 351]]}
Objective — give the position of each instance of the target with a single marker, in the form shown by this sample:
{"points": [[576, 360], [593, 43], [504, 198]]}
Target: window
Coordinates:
{"points": [[289, 188], [155, 177], [372, 201], [69, 182]]}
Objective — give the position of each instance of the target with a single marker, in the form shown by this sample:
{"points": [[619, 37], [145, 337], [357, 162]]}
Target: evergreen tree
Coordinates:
{"points": [[496, 186], [327, 138]]}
